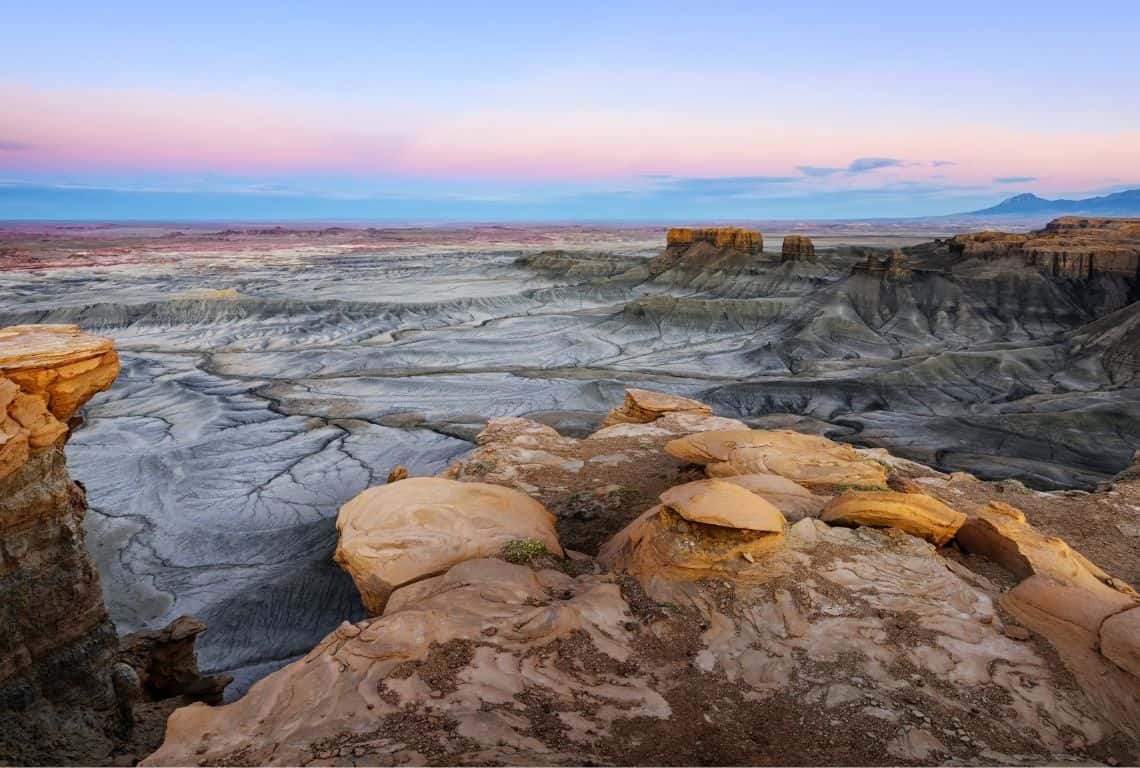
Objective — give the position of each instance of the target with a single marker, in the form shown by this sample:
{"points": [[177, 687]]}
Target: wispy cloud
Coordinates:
{"points": [[1014, 179], [865, 164], [817, 171], [942, 163], [7, 145], [717, 186]]}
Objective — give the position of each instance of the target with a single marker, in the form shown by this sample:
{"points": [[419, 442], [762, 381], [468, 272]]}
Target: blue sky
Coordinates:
{"points": [[596, 111]]}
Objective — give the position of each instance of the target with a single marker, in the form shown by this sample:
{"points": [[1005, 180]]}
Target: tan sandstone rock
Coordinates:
{"points": [[807, 459], [700, 529], [47, 372], [502, 621], [716, 502], [395, 534], [1073, 618], [59, 363], [793, 500], [1001, 533], [1120, 640], [642, 406], [915, 513]]}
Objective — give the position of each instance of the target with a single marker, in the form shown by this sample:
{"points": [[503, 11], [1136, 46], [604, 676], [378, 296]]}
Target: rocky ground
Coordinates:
{"points": [[270, 376], [724, 623]]}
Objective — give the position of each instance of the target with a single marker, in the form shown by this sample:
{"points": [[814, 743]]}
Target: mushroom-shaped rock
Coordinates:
{"points": [[642, 406], [793, 500], [808, 459], [1001, 533], [715, 502], [708, 527], [915, 513], [395, 534]]}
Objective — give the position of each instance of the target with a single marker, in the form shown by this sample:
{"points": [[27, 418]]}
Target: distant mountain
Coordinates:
{"points": [[1126, 203]]}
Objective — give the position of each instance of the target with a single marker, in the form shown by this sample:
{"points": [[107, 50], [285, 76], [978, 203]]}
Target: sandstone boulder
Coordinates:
{"points": [[642, 406], [915, 513], [1073, 619], [1001, 533], [715, 502], [395, 534], [1120, 640], [806, 459], [793, 500]]}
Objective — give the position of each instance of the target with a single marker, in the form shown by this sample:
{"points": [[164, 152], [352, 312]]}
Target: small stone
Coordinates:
{"points": [[489, 631]]}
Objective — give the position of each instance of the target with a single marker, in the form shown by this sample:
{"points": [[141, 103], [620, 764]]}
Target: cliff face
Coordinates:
{"points": [[1071, 246], [798, 248], [747, 240], [57, 698]]}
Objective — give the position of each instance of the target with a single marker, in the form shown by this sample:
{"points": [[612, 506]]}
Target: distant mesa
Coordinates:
{"points": [[798, 248], [747, 240], [1071, 246]]}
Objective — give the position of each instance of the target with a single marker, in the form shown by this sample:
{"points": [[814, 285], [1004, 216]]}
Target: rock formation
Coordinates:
{"points": [[69, 689], [746, 240], [57, 700], [641, 407], [916, 513], [805, 459], [166, 664], [705, 615], [797, 248], [46, 373], [701, 530], [393, 535], [1071, 246], [689, 252], [896, 266]]}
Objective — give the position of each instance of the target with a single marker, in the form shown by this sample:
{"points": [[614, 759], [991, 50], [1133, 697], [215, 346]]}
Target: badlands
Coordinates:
{"points": [[713, 503]]}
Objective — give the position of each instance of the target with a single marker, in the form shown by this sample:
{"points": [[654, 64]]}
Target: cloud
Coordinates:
{"points": [[865, 164], [7, 145], [941, 163], [817, 171], [1014, 179]]}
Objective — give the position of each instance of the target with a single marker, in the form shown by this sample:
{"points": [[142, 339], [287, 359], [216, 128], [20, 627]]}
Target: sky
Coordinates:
{"points": [[561, 111]]}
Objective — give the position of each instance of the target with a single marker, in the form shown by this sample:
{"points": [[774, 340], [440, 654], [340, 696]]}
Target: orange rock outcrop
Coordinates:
{"points": [[47, 372], [797, 248], [1071, 246], [747, 240]]}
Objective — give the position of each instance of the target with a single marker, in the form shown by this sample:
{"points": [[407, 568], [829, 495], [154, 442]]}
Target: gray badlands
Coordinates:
{"points": [[270, 376]]}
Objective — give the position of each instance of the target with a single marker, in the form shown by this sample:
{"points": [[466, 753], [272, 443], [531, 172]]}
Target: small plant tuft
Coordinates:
{"points": [[859, 487], [522, 551]]}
